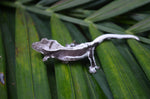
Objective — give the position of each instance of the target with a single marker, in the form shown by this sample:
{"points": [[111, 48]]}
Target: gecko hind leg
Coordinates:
{"points": [[93, 67]]}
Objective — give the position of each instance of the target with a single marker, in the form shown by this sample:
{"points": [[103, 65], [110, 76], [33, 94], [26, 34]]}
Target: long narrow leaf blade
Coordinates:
{"points": [[140, 51], [142, 54], [61, 5], [31, 68], [116, 8], [8, 31], [46, 2], [133, 64], [79, 81], [96, 90], [42, 26], [3, 88], [65, 89], [75, 81], [24, 1], [141, 26], [121, 80], [39, 72], [23, 64]]}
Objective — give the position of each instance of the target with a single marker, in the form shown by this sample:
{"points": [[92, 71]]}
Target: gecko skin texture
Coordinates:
{"points": [[74, 52]]}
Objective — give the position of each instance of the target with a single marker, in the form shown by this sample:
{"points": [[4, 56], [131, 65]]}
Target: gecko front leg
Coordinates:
{"points": [[45, 58], [93, 67]]}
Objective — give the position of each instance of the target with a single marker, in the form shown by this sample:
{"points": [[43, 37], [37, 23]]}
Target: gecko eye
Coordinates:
{"points": [[51, 43], [44, 41]]}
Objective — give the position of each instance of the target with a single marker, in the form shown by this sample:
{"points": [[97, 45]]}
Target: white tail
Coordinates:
{"points": [[117, 36]]}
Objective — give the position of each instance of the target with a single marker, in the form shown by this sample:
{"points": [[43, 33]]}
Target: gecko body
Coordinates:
{"points": [[74, 52]]}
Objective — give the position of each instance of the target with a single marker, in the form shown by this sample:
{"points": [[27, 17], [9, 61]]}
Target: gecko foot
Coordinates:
{"points": [[92, 69], [45, 58]]}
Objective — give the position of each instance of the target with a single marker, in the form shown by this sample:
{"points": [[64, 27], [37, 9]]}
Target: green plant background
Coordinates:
{"points": [[125, 64]]}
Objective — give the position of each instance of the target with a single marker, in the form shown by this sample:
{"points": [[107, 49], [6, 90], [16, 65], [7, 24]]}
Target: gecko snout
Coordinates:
{"points": [[34, 45]]}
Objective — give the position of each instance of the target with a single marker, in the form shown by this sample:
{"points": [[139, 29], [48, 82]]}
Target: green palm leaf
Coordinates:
{"points": [[8, 31], [23, 64], [65, 4], [124, 64], [116, 8], [32, 73], [3, 88], [96, 92], [142, 54], [117, 70], [141, 26], [62, 71]]}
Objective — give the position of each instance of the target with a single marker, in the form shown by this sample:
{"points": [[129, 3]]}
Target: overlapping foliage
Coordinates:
{"points": [[125, 69]]}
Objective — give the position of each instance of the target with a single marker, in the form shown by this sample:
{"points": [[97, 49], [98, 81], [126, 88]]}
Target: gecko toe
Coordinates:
{"points": [[97, 67], [92, 69]]}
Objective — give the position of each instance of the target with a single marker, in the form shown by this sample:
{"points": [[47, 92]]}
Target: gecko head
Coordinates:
{"points": [[46, 45], [42, 45]]}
